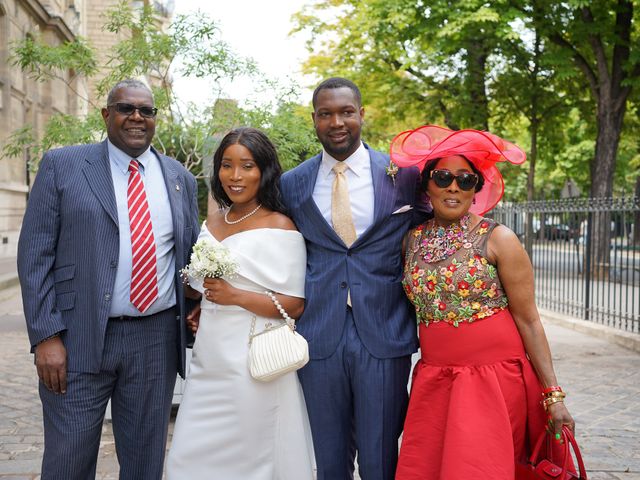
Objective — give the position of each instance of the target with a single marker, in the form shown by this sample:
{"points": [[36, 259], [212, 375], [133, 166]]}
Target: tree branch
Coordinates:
{"points": [[447, 118], [580, 62], [598, 48], [550, 108]]}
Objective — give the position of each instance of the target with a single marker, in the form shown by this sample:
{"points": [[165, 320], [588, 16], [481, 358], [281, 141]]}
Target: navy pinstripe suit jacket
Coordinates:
{"points": [[68, 249], [371, 268]]}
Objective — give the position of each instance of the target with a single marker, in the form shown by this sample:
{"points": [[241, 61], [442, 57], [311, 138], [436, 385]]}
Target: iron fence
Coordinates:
{"points": [[586, 256]]}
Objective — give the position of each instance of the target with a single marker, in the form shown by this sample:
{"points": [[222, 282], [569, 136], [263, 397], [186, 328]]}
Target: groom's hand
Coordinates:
{"points": [[51, 363]]}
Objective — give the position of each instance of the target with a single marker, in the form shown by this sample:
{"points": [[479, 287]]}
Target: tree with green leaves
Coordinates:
{"points": [[146, 50], [424, 61], [464, 64], [500, 65], [191, 47], [603, 43]]}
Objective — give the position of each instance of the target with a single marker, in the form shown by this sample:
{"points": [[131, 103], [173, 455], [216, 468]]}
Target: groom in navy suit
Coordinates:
{"points": [[360, 327], [107, 229]]}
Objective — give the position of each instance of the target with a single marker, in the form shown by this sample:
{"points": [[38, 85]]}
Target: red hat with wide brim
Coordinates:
{"points": [[483, 149]]}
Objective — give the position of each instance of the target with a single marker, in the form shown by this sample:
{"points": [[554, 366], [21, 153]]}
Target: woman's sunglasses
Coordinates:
{"points": [[444, 178], [128, 109]]}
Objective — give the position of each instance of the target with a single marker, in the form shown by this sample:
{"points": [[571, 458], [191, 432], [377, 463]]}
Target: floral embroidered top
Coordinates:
{"points": [[447, 276]]}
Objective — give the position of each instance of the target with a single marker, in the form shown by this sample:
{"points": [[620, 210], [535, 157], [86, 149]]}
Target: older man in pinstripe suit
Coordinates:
{"points": [[360, 328], [107, 229]]}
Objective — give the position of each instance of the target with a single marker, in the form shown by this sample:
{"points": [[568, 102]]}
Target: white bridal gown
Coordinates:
{"points": [[230, 426]]}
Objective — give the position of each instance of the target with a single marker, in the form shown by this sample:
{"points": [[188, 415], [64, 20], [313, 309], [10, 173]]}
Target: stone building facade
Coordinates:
{"points": [[23, 101]]}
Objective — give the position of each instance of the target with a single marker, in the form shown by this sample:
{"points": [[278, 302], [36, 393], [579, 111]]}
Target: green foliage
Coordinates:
{"points": [[499, 65], [20, 140], [190, 133], [61, 129], [291, 130], [45, 62]]}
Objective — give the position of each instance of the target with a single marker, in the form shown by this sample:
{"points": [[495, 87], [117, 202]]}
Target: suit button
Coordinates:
{"points": [[348, 253], [107, 297], [114, 264], [343, 285]]}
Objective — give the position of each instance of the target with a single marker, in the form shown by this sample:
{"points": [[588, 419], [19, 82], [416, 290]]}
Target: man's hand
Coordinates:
{"points": [[193, 319], [51, 363]]}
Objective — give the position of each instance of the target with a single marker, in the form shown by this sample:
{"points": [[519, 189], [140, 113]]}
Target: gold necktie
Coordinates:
{"points": [[341, 207]]}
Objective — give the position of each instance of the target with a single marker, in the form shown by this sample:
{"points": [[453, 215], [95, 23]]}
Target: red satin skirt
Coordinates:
{"points": [[475, 403]]}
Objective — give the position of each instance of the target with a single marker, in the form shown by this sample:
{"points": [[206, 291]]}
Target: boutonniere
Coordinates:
{"points": [[392, 171]]}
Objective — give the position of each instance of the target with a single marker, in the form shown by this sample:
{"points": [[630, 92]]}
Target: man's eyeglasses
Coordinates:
{"points": [[128, 109], [444, 178]]}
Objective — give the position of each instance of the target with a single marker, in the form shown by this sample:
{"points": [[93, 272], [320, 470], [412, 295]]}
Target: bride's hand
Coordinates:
{"points": [[219, 291]]}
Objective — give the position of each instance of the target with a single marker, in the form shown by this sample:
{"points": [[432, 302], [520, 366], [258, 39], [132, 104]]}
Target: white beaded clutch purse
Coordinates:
{"points": [[276, 350]]}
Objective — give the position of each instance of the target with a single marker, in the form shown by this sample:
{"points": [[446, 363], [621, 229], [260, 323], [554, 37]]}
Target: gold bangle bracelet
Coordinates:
{"points": [[550, 401], [556, 395]]}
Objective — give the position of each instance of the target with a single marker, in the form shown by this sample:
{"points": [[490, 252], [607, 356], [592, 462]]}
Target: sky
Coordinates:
{"points": [[252, 28]]}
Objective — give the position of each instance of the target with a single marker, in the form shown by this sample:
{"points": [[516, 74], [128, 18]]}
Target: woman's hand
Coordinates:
{"points": [[219, 291], [558, 416]]}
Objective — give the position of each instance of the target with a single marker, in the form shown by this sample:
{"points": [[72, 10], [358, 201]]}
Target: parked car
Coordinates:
{"points": [[555, 230]]}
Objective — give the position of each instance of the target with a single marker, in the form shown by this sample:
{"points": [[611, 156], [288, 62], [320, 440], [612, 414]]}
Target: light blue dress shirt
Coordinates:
{"points": [[162, 225]]}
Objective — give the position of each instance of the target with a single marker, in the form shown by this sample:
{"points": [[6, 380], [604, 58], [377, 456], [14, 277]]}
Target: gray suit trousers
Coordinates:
{"points": [[138, 374]]}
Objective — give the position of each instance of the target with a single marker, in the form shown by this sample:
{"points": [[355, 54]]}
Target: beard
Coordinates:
{"points": [[342, 149]]}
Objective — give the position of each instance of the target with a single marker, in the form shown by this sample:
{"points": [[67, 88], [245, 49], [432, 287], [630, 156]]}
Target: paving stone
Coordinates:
{"points": [[602, 381], [16, 477]]}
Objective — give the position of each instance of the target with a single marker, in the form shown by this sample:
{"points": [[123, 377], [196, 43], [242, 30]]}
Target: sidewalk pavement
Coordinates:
{"points": [[602, 380], [8, 272]]}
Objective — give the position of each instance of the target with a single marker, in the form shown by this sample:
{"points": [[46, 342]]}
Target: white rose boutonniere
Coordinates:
{"points": [[209, 259]]}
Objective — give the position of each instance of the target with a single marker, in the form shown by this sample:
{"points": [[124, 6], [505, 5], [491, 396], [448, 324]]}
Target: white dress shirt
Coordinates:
{"points": [[360, 185]]}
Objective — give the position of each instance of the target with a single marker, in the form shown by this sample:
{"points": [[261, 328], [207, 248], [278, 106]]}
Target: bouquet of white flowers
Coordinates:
{"points": [[209, 259]]}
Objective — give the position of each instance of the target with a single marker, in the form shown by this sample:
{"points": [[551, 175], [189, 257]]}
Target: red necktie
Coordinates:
{"points": [[144, 274]]}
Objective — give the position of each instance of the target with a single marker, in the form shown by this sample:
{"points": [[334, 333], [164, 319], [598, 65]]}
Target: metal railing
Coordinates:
{"points": [[586, 256]]}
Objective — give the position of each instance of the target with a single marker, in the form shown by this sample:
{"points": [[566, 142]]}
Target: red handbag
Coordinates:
{"points": [[549, 468]]}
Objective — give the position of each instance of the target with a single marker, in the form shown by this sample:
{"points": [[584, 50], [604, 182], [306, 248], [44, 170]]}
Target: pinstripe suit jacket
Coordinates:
{"points": [[68, 249], [371, 268]]}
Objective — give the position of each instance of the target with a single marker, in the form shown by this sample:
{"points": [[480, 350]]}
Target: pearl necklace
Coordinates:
{"points": [[244, 217]]}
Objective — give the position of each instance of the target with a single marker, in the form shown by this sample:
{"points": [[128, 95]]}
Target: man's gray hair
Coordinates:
{"points": [[127, 83]]}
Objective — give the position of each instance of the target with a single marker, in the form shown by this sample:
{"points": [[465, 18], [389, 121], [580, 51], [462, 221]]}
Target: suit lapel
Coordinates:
{"points": [[384, 193], [97, 171], [306, 181], [176, 190]]}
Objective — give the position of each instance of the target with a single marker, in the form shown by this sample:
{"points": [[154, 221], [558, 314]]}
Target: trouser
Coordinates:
{"points": [[138, 373], [356, 402]]}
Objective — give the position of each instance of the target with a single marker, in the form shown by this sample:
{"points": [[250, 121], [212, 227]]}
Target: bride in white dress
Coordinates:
{"points": [[230, 426]]}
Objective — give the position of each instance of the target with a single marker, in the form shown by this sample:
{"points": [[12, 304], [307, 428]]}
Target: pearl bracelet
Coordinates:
{"points": [[275, 301]]}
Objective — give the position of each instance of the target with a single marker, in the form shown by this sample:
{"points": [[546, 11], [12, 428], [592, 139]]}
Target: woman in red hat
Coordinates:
{"points": [[485, 378]]}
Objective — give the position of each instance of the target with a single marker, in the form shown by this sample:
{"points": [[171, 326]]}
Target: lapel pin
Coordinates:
{"points": [[177, 187]]}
